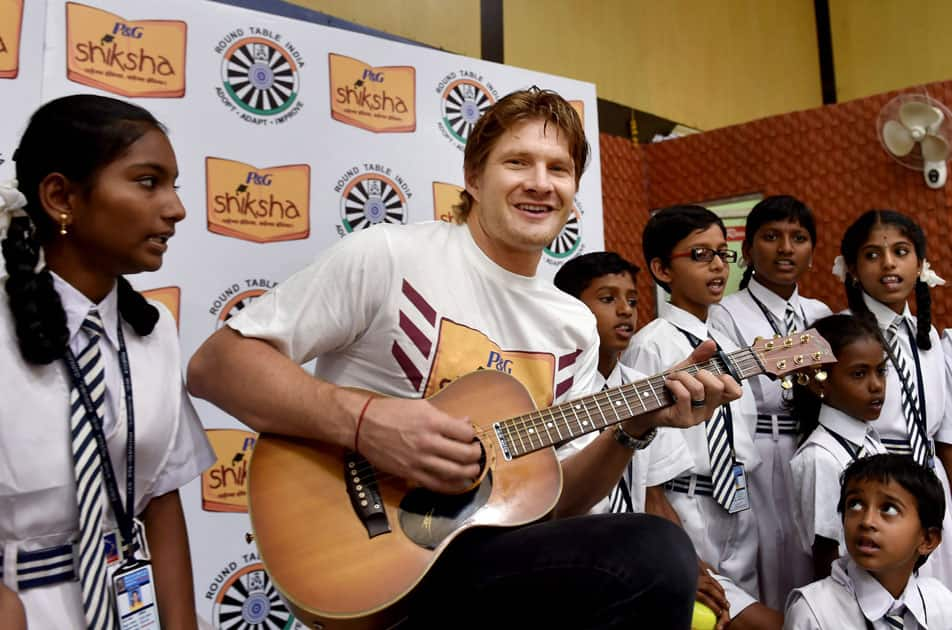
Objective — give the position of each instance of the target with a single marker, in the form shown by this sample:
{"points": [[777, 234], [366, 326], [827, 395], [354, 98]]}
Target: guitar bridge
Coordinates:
{"points": [[364, 494]]}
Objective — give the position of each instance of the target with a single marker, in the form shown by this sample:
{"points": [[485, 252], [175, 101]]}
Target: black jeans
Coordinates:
{"points": [[606, 571]]}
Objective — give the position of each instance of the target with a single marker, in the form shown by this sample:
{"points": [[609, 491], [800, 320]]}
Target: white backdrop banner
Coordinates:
{"points": [[289, 137]]}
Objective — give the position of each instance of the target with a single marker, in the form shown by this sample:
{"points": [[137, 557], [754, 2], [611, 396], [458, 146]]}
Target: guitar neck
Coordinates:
{"points": [[547, 427]]}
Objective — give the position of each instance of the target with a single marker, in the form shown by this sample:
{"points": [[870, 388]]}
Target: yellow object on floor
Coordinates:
{"points": [[704, 618]]}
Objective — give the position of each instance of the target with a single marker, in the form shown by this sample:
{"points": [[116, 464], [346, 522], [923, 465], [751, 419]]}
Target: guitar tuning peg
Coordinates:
{"points": [[820, 376], [803, 379], [787, 382]]}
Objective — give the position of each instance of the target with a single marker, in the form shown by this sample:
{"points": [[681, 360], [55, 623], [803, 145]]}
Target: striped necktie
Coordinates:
{"points": [[790, 319], [619, 499], [89, 481], [722, 459], [894, 619], [910, 399]]}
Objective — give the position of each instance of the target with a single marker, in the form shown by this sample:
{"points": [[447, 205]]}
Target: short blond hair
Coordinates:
{"points": [[531, 104]]}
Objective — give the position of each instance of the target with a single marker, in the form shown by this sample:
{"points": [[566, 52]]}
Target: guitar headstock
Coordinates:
{"points": [[801, 352]]}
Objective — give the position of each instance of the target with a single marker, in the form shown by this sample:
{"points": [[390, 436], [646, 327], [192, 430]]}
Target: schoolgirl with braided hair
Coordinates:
{"points": [[93, 396], [882, 264]]}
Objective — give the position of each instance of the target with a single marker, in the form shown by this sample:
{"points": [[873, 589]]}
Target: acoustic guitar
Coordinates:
{"points": [[345, 545]]}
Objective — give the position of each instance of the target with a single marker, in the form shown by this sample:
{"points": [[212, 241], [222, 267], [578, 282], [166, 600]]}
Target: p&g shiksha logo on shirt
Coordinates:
{"points": [[464, 97], [378, 99], [371, 194], [10, 26], [262, 205], [260, 75], [131, 58]]}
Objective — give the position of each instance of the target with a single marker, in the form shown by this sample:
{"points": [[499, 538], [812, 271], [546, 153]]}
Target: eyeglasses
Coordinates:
{"points": [[706, 254]]}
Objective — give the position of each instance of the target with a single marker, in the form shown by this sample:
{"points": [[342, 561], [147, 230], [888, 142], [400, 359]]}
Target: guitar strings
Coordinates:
{"points": [[744, 360]]}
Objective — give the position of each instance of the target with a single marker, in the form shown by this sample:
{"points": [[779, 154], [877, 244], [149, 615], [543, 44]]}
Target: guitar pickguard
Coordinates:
{"points": [[428, 517]]}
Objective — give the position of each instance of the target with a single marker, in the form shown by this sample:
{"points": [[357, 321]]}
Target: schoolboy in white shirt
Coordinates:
{"points": [[892, 511], [686, 251]]}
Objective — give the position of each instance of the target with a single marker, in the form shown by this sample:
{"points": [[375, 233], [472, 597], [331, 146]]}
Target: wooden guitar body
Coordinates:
{"points": [[317, 549]]}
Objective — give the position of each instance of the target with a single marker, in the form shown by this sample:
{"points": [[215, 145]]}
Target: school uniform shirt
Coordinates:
{"points": [[727, 542], [782, 563], [38, 506], [665, 458], [938, 407], [852, 598], [817, 466]]}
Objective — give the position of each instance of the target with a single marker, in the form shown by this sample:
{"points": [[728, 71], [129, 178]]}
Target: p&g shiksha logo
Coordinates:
{"points": [[370, 196], [260, 76], [10, 26], [464, 97], [131, 58]]}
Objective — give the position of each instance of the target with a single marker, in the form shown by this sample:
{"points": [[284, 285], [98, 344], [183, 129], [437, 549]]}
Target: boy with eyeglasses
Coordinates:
{"points": [[685, 249]]}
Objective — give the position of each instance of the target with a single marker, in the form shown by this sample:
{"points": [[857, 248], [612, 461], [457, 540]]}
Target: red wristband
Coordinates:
{"points": [[360, 420]]}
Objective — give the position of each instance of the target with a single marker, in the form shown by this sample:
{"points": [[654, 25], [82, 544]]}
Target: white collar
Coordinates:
{"points": [[873, 599], [774, 303], [885, 315], [849, 427], [684, 320], [77, 306]]}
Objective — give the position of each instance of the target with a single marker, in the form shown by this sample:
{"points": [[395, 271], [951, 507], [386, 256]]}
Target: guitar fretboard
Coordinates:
{"points": [[554, 425]]}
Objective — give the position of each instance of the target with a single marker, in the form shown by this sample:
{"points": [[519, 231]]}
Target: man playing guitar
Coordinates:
{"points": [[404, 310]]}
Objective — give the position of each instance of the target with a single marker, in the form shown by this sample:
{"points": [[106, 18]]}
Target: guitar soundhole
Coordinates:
{"points": [[428, 517]]}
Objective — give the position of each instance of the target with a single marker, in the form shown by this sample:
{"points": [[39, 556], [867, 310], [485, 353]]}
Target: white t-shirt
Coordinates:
{"points": [[740, 318], [665, 458], [405, 310], [817, 466], [37, 481], [661, 344], [851, 597]]}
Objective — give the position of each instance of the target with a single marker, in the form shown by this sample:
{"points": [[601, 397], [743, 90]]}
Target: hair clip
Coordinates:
{"points": [[839, 268], [930, 277], [11, 203]]}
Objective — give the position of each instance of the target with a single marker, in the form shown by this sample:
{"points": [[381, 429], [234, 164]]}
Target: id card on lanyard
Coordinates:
{"points": [[131, 582]]}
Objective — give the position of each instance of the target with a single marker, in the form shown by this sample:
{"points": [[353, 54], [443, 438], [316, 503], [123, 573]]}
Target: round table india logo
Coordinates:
{"points": [[463, 102], [568, 239], [248, 600], [371, 199], [260, 77]]}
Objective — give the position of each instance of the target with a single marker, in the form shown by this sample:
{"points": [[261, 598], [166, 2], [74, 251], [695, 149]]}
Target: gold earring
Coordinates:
{"points": [[63, 223]]}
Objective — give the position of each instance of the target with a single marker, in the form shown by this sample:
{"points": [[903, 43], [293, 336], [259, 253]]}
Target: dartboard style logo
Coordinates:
{"points": [[463, 103], [237, 304], [371, 199], [568, 239], [249, 601], [261, 77]]}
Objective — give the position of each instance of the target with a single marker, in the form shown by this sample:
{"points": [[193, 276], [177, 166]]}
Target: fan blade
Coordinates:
{"points": [[897, 138], [915, 114], [934, 149]]}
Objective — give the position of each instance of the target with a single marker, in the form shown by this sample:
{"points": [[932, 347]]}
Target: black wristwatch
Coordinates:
{"points": [[626, 440]]}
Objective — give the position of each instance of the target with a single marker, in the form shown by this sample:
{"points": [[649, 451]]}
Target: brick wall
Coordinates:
{"points": [[829, 157]]}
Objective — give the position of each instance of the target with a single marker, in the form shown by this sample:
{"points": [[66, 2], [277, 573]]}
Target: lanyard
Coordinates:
{"points": [[725, 408], [770, 316], [845, 444], [123, 517]]}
